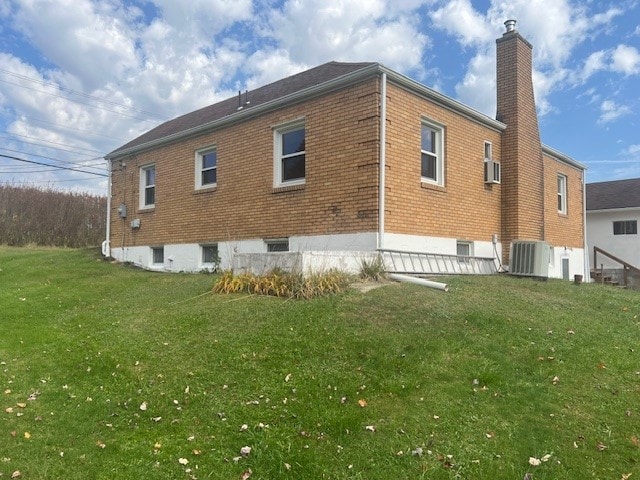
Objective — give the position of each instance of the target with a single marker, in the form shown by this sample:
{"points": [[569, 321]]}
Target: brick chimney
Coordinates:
{"points": [[522, 164]]}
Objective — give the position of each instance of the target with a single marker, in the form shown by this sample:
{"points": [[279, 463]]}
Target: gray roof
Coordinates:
{"points": [[281, 88], [613, 194]]}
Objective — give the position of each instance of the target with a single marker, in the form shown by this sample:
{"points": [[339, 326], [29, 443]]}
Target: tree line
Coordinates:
{"points": [[43, 216]]}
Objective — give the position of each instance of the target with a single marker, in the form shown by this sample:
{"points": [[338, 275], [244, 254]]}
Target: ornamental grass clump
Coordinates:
{"points": [[279, 283]]}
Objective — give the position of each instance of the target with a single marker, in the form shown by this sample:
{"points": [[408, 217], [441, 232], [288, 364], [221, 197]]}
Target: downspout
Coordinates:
{"points": [[587, 269], [383, 153], [106, 246]]}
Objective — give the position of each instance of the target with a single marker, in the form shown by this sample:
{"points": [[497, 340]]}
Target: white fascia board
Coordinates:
{"points": [[442, 100], [563, 158], [615, 210]]}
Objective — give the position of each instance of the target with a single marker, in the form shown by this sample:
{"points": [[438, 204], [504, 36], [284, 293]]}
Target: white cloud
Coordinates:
{"points": [[359, 30], [610, 111], [626, 60], [93, 41], [459, 18]]}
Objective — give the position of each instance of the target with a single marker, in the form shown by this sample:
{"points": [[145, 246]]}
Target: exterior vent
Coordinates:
{"points": [[529, 258], [491, 171]]}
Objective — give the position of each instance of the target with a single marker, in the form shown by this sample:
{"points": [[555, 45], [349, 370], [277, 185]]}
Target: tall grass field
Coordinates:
{"points": [[110, 372]]}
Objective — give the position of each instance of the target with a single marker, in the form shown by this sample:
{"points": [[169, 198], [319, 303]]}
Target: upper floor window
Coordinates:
{"points": [[432, 153], [625, 227], [491, 167], [289, 155], [147, 186], [206, 168], [562, 194]]}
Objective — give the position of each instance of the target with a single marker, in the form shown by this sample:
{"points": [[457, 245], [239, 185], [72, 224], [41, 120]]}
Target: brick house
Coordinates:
{"points": [[343, 160]]}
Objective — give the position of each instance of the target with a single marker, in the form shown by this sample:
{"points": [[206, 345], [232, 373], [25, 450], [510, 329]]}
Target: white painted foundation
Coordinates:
{"points": [[323, 252]]}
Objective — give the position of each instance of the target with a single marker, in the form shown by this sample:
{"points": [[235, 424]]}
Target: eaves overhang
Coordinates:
{"points": [[563, 158]]}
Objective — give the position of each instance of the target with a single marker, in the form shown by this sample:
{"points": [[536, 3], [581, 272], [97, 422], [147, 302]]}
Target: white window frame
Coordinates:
{"points": [[143, 186], [469, 247], [212, 266], [199, 168], [153, 256], [278, 133], [438, 153], [562, 194], [491, 168], [269, 243]]}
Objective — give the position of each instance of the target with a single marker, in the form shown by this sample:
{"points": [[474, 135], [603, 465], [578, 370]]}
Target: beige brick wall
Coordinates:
{"points": [[464, 208], [560, 229], [340, 195]]}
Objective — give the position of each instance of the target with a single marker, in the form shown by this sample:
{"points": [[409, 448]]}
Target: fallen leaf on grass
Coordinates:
{"points": [[27, 435], [21, 405], [635, 441], [246, 474], [625, 476], [370, 428], [245, 451], [555, 380], [143, 406], [533, 461], [362, 403], [183, 461], [9, 409], [288, 377], [16, 474], [601, 447]]}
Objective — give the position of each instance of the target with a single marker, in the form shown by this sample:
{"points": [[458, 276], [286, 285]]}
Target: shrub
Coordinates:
{"points": [[278, 283], [372, 269]]}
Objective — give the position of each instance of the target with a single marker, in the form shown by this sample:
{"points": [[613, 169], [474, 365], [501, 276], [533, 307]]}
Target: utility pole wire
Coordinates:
{"points": [[53, 166]]}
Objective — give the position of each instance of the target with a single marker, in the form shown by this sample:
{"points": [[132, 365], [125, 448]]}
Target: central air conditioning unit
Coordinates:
{"points": [[529, 258]]}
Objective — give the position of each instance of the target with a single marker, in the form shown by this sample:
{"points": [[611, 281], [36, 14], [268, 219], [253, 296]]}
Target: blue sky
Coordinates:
{"points": [[79, 78]]}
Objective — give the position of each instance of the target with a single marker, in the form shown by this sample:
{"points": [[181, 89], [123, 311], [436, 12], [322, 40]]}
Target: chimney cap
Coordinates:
{"points": [[511, 25]]}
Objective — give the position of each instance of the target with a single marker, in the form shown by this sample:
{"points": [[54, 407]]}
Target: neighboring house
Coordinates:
{"points": [[348, 158], [613, 214]]}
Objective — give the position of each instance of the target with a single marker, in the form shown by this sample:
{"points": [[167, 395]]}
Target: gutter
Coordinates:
{"points": [[383, 158], [562, 157]]}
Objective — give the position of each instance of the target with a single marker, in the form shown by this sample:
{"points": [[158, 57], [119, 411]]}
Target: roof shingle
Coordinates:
{"points": [[613, 194], [309, 78]]}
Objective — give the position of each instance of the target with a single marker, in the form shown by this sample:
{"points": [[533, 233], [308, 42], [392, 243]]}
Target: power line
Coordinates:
{"points": [[54, 143], [78, 101], [75, 92], [37, 120], [83, 164], [46, 146], [53, 166]]}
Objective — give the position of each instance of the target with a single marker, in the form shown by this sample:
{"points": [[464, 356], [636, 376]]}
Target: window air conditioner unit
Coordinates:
{"points": [[491, 171], [529, 258]]}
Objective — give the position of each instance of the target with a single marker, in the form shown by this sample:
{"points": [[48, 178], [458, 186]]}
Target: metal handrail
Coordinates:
{"points": [[626, 265]]}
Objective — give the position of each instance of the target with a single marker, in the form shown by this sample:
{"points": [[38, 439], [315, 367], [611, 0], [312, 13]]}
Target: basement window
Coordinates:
{"points": [[157, 255], [625, 227], [464, 251], [277, 245], [210, 256]]}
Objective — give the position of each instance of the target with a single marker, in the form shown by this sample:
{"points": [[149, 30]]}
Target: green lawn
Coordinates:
{"points": [[108, 372]]}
